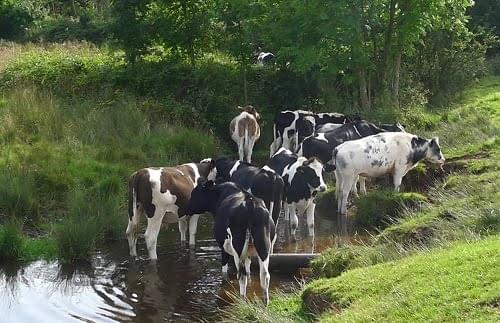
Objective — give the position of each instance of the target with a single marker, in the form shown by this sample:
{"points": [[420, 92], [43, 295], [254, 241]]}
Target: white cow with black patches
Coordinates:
{"points": [[303, 180], [393, 153]]}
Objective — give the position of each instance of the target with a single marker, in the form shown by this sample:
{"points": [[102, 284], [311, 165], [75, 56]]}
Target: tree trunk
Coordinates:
{"points": [[395, 86], [388, 41], [245, 89], [363, 93]]}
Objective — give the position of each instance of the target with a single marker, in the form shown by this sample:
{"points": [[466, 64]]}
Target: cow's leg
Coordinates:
{"points": [[261, 237], [354, 189], [248, 262], [236, 244], [151, 235], [264, 278], [397, 179], [310, 218], [241, 148], [347, 180], [133, 231], [294, 221], [183, 226], [249, 149], [338, 193], [225, 262], [193, 225], [362, 185]]}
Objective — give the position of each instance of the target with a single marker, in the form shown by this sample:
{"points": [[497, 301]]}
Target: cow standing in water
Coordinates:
{"points": [[393, 153], [245, 131], [303, 180], [238, 216], [155, 191]]}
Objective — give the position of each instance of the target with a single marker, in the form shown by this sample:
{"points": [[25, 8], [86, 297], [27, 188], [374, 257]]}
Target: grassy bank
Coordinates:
{"points": [[449, 238], [65, 159]]}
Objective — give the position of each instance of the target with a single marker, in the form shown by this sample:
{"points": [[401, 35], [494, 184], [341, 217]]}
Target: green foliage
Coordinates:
{"points": [[13, 20], [11, 240], [379, 208], [61, 29]]}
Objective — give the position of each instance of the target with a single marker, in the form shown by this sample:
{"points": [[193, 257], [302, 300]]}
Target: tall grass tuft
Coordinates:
{"points": [[18, 196], [11, 240], [92, 218]]}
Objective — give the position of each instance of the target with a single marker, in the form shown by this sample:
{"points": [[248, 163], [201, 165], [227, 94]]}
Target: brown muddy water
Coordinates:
{"points": [[184, 285]]}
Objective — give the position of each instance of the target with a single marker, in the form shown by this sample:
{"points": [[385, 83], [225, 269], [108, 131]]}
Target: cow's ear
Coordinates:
{"points": [[240, 108], [435, 141]]}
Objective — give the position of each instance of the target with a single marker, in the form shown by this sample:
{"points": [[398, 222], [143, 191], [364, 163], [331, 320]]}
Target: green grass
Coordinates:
{"points": [[52, 149], [455, 284]]}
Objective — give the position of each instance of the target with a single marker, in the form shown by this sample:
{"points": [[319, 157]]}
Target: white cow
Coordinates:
{"points": [[245, 131], [393, 153]]}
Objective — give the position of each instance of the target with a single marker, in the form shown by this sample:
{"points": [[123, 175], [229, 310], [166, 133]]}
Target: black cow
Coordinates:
{"points": [[303, 180], [263, 182], [291, 127], [238, 215]]}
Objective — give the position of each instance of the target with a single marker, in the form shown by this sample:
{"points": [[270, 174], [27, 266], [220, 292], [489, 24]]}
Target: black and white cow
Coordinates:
{"points": [[303, 180], [263, 182], [321, 145], [238, 216], [391, 153], [291, 127], [395, 127], [264, 58], [157, 191]]}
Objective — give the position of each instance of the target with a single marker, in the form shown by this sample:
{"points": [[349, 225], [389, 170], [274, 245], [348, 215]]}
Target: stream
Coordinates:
{"points": [[184, 285]]}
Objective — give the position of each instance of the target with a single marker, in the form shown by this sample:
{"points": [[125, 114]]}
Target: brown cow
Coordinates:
{"points": [[157, 191], [245, 131]]}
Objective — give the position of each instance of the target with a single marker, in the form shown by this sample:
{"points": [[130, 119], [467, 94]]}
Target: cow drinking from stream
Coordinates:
{"points": [[393, 153], [156, 191]]}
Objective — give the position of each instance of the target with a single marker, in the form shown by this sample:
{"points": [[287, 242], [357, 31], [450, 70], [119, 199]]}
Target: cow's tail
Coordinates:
{"points": [[333, 163], [277, 197], [132, 195], [246, 145]]}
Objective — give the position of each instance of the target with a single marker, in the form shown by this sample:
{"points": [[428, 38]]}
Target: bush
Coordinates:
{"points": [[13, 20], [59, 29], [379, 208]]}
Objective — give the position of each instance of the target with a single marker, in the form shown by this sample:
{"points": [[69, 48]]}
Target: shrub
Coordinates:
{"points": [[378, 208], [13, 20]]}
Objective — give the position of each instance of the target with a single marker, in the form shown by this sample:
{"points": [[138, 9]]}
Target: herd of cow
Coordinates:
{"points": [[246, 200]]}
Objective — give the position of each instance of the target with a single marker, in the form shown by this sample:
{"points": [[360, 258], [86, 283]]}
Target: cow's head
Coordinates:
{"points": [[250, 109], [207, 169], [311, 171], [223, 166], [433, 153], [203, 196]]}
